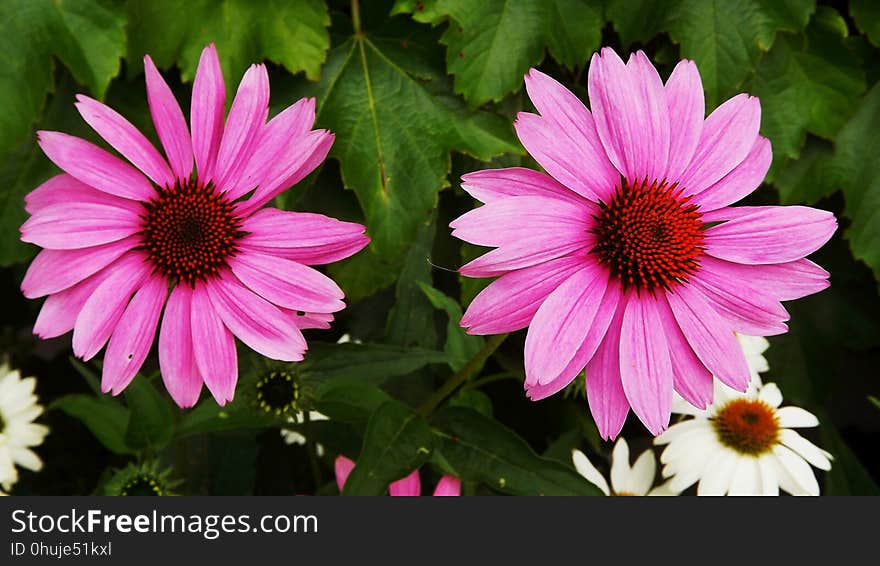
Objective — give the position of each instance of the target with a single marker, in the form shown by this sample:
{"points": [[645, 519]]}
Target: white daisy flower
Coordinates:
{"points": [[743, 444], [296, 437], [18, 432], [625, 480]]}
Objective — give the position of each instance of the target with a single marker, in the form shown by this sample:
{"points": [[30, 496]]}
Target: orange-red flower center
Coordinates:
{"points": [[649, 235], [190, 231], [749, 426]]}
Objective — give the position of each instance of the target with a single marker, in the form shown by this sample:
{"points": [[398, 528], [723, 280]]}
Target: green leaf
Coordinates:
{"points": [[291, 33], [208, 417], [574, 30], [473, 399], [397, 441], [482, 449], [857, 172], [807, 84], [809, 178], [460, 346], [724, 37], [106, 418], [151, 416], [411, 319], [874, 401], [349, 399], [372, 363], [25, 168], [86, 35], [866, 14], [393, 138]]}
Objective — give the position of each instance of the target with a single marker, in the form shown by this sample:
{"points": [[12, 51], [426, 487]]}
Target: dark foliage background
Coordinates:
{"points": [[417, 94]]}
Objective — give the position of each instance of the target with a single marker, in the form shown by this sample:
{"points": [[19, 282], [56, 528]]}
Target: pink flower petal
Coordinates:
{"points": [[745, 307], [490, 185], [310, 239], [169, 122], [133, 337], [273, 138], [247, 115], [739, 183], [59, 311], [126, 139], [771, 234], [691, 379], [255, 321], [687, 110], [562, 324], [513, 219], [524, 253], [55, 270], [711, 338], [343, 467], [631, 113], [287, 283], [180, 372], [79, 225], [214, 347], [66, 189], [94, 166], [595, 335], [568, 121], [298, 160], [727, 137], [410, 486], [103, 309], [448, 486], [605, 394], [783, 281], [206, 112], [308, 320], [510, 302], [645, 364]]}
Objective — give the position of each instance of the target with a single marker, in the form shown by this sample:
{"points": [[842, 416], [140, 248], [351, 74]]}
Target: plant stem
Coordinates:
{"points": [[356, 17], [463, 375]]}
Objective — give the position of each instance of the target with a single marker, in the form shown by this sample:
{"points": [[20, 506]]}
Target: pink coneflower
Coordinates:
{"points": [[123, 241], [626, 258], [411, 485]]}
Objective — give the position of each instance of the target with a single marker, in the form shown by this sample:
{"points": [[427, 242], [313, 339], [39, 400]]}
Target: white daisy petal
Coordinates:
{"points": [[800, 472], [586, 468], [18, 409], [664, 489], [769, 480], [719, 473], [795, 417], [642, 477], [747, 478], [620, 469], [771, 395], [809, 451]]}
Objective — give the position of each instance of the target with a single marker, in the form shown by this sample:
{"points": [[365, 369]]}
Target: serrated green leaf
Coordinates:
{"points": [[291, 33], [151, 417], [393, 138], [397, 441], [857, 172], [460, 346], [806, 84], [724, 37], [574, 30], [86, 35], [481, 449], [372, 363], [106, 418]]}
